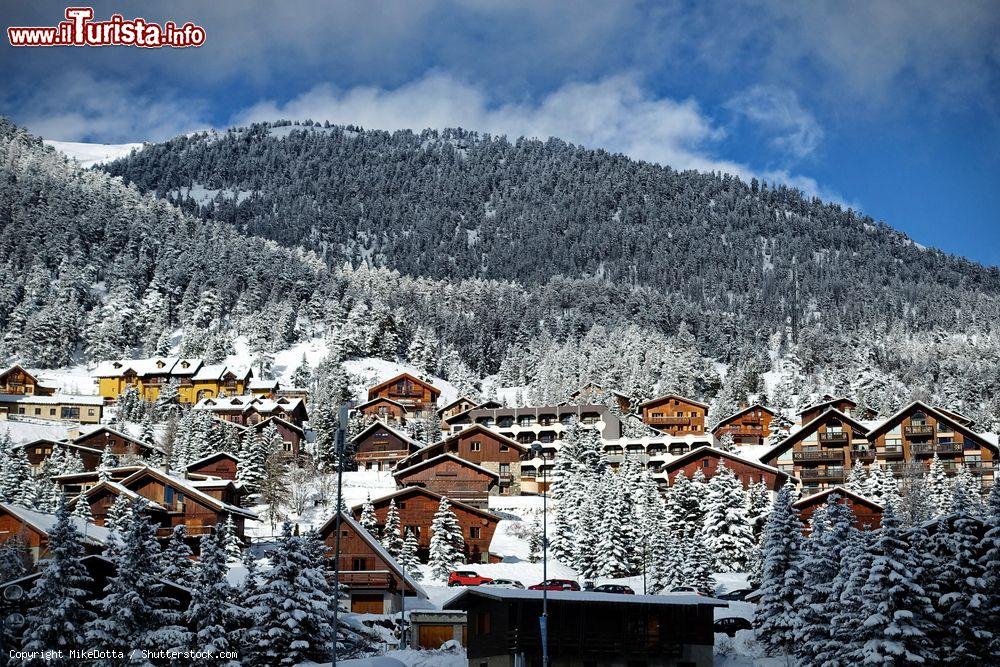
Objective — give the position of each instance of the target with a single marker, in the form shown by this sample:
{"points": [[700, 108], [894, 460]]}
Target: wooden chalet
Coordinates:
{"points": [[451, 476], [593, 393], [416, 507], [456, 407], [417, 395], [381, 447], [73, 484], [38, 451], [709, 459], [386, 409], [292, 435], [222, 465], [171, 502], [482, 446], [121, 444], [587, 628], [249, 410], [866, 511], [376, 582], [844, 405], [749, 426], [15, 380], [674, 415], [33, 530]]}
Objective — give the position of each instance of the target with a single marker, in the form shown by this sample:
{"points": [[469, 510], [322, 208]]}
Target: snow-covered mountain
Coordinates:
{"points": [[89, 155]]}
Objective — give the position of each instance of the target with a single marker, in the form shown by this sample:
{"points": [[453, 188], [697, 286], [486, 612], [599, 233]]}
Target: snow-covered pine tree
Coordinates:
{"points": [[81, 509], [857, 480], [938, 487], [368, 519], [447, 544], [211, 612], [613, 543], [781, 576], [758, 507], [302, 376], [727, 532], [57, 612], [683, 501], [117, 517], [392, 537], [108, 461], [727, 443], [176, 560], [897, 612], [697, 568], [966, 493], [408, 556], [14, 558], [15, 473], [987, 597]]}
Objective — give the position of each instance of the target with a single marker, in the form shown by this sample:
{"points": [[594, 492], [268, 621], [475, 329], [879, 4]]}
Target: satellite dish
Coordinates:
{"points": [[13, 592], [14, 621]]}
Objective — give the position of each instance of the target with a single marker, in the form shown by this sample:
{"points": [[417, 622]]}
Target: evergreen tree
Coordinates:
{"points": [[987, 596], [938, 488], [408, 556], [368, 519], [14, 558], [392, 537], [117, 517], [613, 542], [230, 541], [857, 481], [209, 615], [176, 562], [447, 543], [781, 578], [727, 532], [108, 461], [697, 568]]}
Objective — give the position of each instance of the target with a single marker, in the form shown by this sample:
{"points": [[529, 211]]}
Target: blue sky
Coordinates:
{"points": [[889, 107]]}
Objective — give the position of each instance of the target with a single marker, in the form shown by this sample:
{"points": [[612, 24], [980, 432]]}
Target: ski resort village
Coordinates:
{"points": [[172, 504]]}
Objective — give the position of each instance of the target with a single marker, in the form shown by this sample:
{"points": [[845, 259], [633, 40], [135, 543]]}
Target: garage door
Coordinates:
{"points": [[367, 603], [432, 636]]}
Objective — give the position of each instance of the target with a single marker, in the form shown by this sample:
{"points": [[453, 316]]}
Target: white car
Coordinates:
{"points": [[506, 583]]}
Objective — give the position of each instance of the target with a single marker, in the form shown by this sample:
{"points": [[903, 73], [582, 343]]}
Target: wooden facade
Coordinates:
{"points": [[386, 409], [867, 512], [674, 415], [121, 444], [456, 407], [416, 394], [32, 529], [482, 446], [15, 380], [416, 507], [749, 426], [708, 460], [820, 453], [38, 451], [220, 464], [451, 476], [292, 435], [381, 447], [251, 410], [374, 579], [844, 405]]}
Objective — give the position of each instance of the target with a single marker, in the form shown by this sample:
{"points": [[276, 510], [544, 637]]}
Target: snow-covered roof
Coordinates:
{"points": [[400, 376], [92, 534], [587, 596], [380, 399], [740, 413], [410, 490], [440, 457], [58, 443], [54, 399], [381, 424], [685, 399], [827, 400], [700, 451], [210, 372], [939, 415], [840, 490], [263, 384], [245, 403], [141, 367], [86, 433], [189, 490], [211, 456]]}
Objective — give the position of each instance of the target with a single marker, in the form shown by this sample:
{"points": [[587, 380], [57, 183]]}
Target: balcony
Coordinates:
{"points": [[505, 477], [381, 579], [818, 455], [192, 531], [833, 436], [940, 448], [863, 454], [891, 452], [668, 421], [979, 467], [745, 430], [825, 475], [919, 430]]}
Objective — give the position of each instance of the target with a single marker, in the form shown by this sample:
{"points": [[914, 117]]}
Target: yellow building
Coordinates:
{"points": [[195, 380]]}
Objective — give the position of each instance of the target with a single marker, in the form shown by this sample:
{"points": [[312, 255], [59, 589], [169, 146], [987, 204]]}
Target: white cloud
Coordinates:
{"points": [[614, 113], [795, 132]]}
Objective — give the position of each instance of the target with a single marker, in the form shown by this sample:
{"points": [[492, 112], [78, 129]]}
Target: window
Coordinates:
{"points": [[504, 448], [52, 412], [704, 464], [483, 623], [90, 412], [359, 564], [475, 446], [38, 411], [475, 533], [402, 505], [287, 445]]}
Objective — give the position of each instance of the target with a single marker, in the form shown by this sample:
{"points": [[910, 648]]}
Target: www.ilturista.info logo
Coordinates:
{"points": [[79, 29]]}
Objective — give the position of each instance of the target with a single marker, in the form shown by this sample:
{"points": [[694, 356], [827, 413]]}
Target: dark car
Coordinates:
{"points": [[731, 624], [738, 595], [556, 585], [614, 588]]}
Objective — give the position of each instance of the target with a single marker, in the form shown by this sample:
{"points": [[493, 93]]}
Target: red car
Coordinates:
{"points": [[467, 578], [556, 585]]}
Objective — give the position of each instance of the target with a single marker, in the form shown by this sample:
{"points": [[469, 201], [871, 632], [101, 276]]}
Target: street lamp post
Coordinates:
{"points": [[341, 431], [536, 448]]}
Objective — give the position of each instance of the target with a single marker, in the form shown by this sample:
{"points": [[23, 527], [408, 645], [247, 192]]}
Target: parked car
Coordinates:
{"points": [[506, 583], [556, 585], [467, 578], [685, 589], [614, 588], [738, 595], [731, 624]]}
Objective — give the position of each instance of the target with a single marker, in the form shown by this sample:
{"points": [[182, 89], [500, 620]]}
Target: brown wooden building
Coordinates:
{"points": [[375, 580], [844, 405], [749, 426], [674, 415], [40, 450], [415, 394], [33, 530], [15, 380], [250, 410], [220, 464], [76, 483], [381, 447], [292, 435], [416, 507], [866, 511], [386, 409], [708, 460], [451, 476], [586, 628], [482, 446], [456, 407], [121, 444]]}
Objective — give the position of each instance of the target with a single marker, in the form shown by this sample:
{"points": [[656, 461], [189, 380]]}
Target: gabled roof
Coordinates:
{"points": [[119, 490], [937, 414], [438, 459], [392, 380], [13, 367], [58, 443], [187, 489], [248, 403], [149, 366], [376, 546], [92, 562], [54, 399], [210, 457], [737, 415], [827, 400], [698, 452], [121, 434], [452, 404], [666, 397], [88, 474], [957, 416], [380, 399], [219, 372], [839, 490], [811, 427], [381, 424], [408, 491], [264, 384], [43, 523], [275, 418], [483, 429]]}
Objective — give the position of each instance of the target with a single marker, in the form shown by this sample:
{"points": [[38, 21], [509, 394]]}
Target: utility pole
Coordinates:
{"points": [[543, 622], [341, 436]]}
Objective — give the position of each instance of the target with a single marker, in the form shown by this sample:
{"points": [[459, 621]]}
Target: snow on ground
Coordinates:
{"points": [[90, 154], [27, 431], [70, 380]]}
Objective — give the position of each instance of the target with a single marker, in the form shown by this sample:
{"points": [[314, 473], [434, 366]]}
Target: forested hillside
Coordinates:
{"points": [[538, 263]]}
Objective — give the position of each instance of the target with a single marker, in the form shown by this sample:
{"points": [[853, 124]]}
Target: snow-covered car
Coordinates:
{"points": [[731, 625], [506, 583], [614, 588]]}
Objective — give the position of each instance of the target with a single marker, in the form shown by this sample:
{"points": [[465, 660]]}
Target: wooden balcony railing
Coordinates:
{"points": [[833, 436], [863, 454], [813, 473], [919, 429], [940, 448], [818, 455], [192, 531], [670, 421], [364, 578], [891, 452]]}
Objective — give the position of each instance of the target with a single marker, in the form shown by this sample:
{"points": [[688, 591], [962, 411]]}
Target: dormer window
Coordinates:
{"points": [[160, 363], [185, 364], [117, 364]]}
